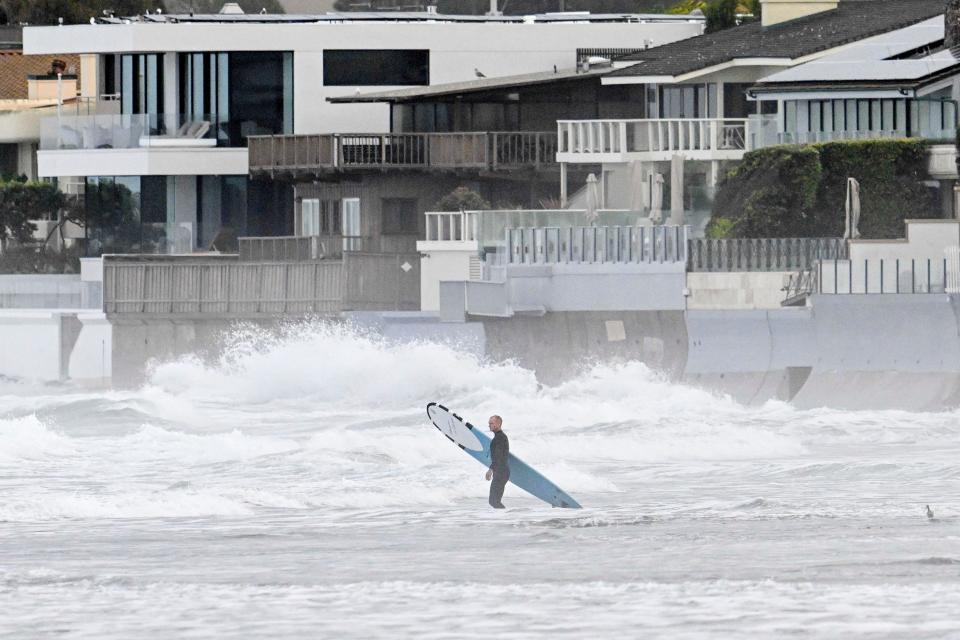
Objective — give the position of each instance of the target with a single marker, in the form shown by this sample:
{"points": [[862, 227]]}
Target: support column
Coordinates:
{"points": [[563, 185], [171, 85]]}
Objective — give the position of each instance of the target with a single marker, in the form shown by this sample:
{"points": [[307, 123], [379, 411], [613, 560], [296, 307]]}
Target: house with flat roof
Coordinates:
{"points": [[173, 164]]}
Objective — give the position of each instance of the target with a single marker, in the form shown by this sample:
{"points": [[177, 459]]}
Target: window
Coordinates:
{"points": [[241, 93], [141, 85], [310, 217], [399, 216], [375, 67], [352, 240]]}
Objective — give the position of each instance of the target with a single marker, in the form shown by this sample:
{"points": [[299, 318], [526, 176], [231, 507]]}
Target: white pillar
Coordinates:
{"points": [[171, 99], [563, 185]]}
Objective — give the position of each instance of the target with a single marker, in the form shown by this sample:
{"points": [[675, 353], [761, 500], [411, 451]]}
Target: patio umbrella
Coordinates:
{"points": [[593, 199], [852, 207], [656, 198]]}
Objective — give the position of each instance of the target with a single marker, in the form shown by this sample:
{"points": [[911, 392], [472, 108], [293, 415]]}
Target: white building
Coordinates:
{"points": [[698, 111], [169, 172]]}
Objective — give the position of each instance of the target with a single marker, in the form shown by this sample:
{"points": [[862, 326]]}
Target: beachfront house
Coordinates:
{"points": [[903, 84], [169, 170], [698, 108]]}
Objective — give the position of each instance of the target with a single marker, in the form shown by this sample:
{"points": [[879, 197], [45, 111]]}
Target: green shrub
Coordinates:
{"points": [[771, 188], [462, 199], [800, 191]]}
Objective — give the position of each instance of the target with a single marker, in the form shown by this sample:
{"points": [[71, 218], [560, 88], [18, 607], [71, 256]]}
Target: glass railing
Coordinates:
{"points": [[132, 131], [491, 225], [137, 237]]}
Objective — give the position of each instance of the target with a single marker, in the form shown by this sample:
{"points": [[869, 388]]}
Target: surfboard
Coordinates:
{"points": [[477, 445]]}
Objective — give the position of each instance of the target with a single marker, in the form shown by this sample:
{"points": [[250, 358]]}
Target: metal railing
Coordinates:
{"points": [[889, 276], [211, 286], [296, 248], [592, 245], [456, 226], [605, 137], [466, 150], [762, 254], [799, 287]]}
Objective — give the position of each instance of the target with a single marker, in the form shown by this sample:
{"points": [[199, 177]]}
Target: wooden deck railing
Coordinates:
{"points": [[223, 286], [493, 151]]}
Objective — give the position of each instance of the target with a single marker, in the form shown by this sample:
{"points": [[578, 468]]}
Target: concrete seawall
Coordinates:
{"points": [[843, 351]]}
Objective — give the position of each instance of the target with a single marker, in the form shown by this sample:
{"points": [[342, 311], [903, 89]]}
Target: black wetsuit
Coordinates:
{"points": [[499, 449]]}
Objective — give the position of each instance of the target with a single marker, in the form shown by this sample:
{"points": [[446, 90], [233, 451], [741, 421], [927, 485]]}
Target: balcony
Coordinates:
{"points": [[487, 229], [590, 141], [138, 144], [469, 151]]}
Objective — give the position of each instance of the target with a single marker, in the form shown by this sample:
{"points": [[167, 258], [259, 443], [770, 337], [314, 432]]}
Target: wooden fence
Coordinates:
{"points": [[230, 288]]}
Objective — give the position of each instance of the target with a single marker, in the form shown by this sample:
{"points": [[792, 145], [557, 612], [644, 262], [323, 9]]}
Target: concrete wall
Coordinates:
{"points": [[52, 346], [736, 290], [878, 352], [448, 261], [559, 345], [753, 355], [42, 291], [581, 287]]}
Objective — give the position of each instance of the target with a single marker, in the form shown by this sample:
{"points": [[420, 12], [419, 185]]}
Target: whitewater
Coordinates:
{"points": [[294, 488]]}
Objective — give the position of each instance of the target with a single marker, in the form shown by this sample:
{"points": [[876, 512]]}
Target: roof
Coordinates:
{"points": [[905, 56], [397, 16], [15, 68], [472, 86], [851, 21]]}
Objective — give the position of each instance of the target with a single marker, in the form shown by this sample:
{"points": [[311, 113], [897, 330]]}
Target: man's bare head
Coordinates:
{"points": [[495, 423]]}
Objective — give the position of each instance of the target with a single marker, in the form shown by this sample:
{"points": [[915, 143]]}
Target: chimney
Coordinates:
{"points": [[777, 11], [951, 17]]}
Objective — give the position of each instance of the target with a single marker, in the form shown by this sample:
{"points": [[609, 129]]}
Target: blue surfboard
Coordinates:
{"points": [[477, 445]]}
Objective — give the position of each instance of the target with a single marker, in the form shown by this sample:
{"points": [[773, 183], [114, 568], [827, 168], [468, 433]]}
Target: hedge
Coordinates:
{"points": [[800, 191]]}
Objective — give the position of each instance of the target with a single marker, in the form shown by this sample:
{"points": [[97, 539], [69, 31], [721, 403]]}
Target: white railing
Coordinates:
{"points": [[456, 226], [487, 226], [593, 137], [597, 245]]}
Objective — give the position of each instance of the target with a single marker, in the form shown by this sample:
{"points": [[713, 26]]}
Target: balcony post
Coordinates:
{"points": [[563, 184], [623, 136]]}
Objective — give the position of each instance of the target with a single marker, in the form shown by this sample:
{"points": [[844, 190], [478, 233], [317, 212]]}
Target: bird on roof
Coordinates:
{"points": [[929, 512], [478, 73]]}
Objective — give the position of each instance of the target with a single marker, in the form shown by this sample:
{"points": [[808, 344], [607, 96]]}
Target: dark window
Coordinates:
{"points": [[141, 86], [375, 67], [239, 93], [399, 216]]}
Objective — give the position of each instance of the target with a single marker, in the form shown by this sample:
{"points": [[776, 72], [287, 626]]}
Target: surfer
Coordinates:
{"points": [[499, 472]]}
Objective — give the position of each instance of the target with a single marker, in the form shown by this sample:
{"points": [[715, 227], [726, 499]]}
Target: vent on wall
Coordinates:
{"points": [[476, 269]]}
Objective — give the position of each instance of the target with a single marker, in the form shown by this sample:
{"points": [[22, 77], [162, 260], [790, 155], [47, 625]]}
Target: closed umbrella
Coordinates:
{"points": [[592, 198], [852, 231]]}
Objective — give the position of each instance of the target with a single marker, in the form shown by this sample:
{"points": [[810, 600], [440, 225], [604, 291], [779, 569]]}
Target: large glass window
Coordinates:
{"points": [[376, 67], [141, 85], [126, 214], [239, 93]]}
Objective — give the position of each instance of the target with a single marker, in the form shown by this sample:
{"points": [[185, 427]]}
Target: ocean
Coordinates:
{"points": [[294, 488]]}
